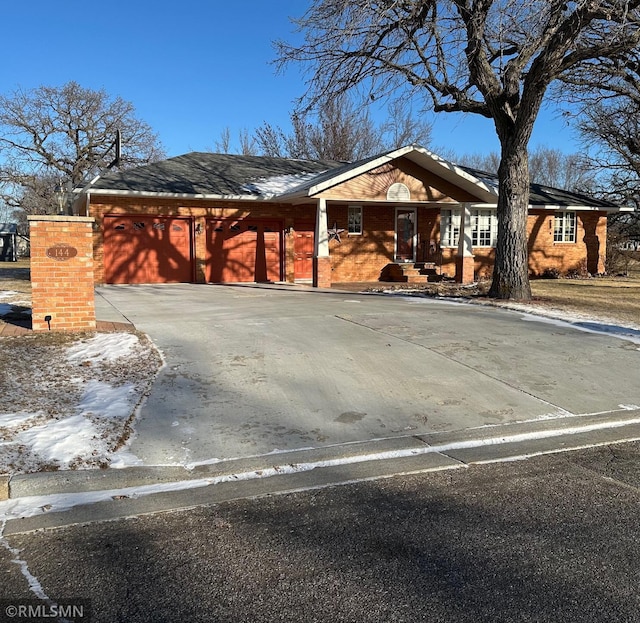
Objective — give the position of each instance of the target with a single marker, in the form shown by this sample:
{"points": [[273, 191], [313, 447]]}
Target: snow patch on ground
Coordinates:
{"points": [[17, 419], [591, 326], [87, 390], [63, 441], [103, 347], [105, 401]]}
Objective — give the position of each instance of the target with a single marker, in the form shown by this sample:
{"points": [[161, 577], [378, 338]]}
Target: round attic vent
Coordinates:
{"points": [[398, 192]]}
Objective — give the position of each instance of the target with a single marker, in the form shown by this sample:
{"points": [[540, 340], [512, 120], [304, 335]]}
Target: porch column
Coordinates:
{"points": [[321, 259], [465, 271]]}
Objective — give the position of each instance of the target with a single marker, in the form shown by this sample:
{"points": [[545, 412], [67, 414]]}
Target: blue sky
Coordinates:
{"points": [[192, 68]]}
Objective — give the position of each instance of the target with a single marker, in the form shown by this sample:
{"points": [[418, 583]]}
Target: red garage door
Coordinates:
{"points": [[243, 250], [147, 249]]}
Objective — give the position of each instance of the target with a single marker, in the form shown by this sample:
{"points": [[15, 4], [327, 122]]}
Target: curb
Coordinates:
{"points": [[453, 449], [83, 499]]}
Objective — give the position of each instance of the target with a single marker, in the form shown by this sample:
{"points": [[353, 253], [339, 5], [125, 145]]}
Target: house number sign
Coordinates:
{"points": [[61, 252]]}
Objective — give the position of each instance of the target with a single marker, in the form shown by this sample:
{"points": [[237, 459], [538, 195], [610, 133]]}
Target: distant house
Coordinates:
{"points": [[405, 215], [8, 242]]}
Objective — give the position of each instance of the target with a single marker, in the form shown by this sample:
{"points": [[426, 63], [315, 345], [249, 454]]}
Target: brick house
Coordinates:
{"points": [[406, 215]]}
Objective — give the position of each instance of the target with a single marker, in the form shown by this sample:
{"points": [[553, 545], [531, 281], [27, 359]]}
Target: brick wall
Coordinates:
{"points": [[363, 257], [62, 281], [587, 254]]}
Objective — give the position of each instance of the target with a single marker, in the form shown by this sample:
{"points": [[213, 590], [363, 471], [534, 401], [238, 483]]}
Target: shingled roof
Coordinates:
{"points": [[202, 174], [541, 195], [225, 175]]}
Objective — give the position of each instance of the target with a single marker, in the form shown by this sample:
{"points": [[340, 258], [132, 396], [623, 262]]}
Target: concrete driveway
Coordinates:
{"points": [[254, 369]]}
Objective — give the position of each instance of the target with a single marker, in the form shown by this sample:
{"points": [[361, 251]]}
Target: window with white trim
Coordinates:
{"points": [[449, 228], [564, 227], [354, 220], [484, 228]]}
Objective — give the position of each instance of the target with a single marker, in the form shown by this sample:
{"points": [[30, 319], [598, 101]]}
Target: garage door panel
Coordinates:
{"points": [[147, 249], [243, 251]]}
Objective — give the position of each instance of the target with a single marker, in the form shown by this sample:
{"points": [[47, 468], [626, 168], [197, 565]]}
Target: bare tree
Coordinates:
{"points": [[609, 97], [403, 127], [553, 167], [547, 166], [495, 58], [610, 125], [223, 144], [246, 143], [335, 131], [62, 136], [339, 130]]}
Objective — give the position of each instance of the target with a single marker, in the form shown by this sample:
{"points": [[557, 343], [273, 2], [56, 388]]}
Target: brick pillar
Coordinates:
{"points": [[322, 272], [62, 287], [465, 269]]}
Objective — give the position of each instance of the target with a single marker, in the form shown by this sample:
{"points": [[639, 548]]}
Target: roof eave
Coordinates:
{"points": [[577, 207], [167, 195], [444, 169]]}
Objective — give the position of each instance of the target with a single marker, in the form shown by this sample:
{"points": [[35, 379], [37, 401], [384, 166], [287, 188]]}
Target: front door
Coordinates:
{"points": [[405, 235]]}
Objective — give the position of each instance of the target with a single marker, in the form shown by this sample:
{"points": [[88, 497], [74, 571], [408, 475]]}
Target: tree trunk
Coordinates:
{"points": [[511, 271]]}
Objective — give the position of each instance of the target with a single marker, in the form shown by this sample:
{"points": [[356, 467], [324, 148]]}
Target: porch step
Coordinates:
{"points": [[410, 272]]}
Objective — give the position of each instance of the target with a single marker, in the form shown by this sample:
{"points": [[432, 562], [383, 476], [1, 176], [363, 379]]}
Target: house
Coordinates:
{"points": [[8, 242], [405, 215]]}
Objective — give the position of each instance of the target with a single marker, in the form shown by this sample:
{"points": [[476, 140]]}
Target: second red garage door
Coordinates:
{"points": [[244, 250]]}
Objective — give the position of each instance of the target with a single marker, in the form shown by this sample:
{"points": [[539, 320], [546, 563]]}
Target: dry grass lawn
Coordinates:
{"points": [[608, 298]]}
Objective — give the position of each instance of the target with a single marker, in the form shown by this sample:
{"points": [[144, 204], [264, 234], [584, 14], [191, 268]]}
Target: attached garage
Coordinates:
{"points": [[243, 250], [147, 249]]}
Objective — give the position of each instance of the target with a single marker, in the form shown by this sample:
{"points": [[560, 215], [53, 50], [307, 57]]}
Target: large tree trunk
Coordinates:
{"points": [[510, 271]]}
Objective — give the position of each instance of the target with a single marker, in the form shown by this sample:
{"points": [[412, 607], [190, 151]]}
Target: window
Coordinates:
{"points": [[484, 226], [398, 192], [355, 220], [564, 227], [449, 228]]}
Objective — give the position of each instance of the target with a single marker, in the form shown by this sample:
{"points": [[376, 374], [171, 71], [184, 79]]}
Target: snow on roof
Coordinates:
{"points": [[278, 184]]}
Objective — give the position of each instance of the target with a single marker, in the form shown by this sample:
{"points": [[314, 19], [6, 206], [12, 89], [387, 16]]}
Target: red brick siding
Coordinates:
{"points": [[363, 257], [64, 289], [586, 254]]}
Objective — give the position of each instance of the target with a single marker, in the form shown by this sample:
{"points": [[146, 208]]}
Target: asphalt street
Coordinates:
{"points": [[553, 538]]}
